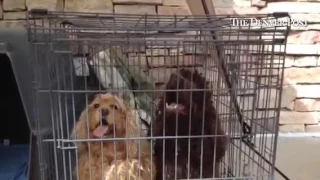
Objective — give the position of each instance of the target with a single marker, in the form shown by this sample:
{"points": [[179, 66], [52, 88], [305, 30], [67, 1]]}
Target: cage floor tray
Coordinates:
{"points": [[14, 162]]}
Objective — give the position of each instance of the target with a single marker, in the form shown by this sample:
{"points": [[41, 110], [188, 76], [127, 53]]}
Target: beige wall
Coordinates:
{"points": [[301, 94], [301, 106]]}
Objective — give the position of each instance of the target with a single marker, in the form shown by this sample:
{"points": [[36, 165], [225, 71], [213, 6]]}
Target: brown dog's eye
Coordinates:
{"points": [[96, 106], [114, 106]]}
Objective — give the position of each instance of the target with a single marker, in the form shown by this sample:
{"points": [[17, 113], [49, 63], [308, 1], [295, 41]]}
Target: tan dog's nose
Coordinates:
{"points": [[104, 112]]}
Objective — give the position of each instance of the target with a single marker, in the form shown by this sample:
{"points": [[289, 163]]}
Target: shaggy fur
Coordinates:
{"points": [[111, 159], [195, 111]]}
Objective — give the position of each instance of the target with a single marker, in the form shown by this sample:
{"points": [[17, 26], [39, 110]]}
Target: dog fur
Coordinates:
{"points": [[111, 159], [195, 109]]}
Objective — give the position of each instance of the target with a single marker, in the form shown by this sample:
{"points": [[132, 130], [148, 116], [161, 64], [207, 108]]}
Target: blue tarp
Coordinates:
{"points": [[14, 162]]}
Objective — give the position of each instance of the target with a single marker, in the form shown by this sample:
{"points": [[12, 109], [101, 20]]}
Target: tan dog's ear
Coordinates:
{"points": [[96, 96], [80, 130], [120, 102]]}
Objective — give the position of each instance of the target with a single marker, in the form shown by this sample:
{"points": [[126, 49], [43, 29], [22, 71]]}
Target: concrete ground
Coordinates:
{"points": [[299, 157]]}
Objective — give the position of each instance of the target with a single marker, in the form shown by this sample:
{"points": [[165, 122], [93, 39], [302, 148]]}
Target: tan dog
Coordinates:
{"points": [[107, 117]]}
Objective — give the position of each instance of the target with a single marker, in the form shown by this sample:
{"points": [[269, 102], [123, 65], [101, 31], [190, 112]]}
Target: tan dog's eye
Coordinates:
{"points": [[114, 106], [96, 106]]}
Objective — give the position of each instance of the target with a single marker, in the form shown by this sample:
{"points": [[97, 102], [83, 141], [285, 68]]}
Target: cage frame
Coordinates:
{"points": [[246, 128]]}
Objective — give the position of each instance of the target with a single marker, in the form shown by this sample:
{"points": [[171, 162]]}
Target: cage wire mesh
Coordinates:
{"points": [[79, 55]]}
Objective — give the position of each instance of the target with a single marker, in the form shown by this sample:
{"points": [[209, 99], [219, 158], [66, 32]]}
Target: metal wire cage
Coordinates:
{"points": [[242, 61]]}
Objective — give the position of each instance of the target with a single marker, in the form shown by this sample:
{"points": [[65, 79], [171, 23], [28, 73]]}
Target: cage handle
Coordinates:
{"points": [[39, 11]]}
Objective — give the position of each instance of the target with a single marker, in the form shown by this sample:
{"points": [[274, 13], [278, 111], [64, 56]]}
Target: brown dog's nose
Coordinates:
{"points": [[104, 112]]}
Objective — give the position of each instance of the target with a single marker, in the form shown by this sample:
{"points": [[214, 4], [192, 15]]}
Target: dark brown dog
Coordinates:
{"points": [[188, 113]]}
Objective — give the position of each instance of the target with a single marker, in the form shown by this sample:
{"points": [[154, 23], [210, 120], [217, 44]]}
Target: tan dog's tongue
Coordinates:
{"points": [[100, 131]]}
